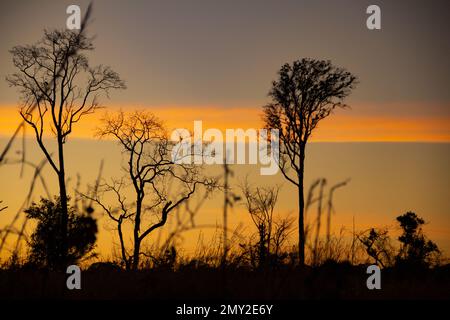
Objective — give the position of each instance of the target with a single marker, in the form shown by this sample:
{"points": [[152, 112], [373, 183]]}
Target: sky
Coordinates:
{"points": [[224, 54], [215, 60]]}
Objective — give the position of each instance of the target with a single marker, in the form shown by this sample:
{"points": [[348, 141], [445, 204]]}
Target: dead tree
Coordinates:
{"points": [[151, 172], [119, 212], [55, 95], [377, 245], [260, 203]]}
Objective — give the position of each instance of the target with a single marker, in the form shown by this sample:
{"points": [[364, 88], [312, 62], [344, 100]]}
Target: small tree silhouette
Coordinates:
{"points": [[416, 249], [378, 246], [305, 93], [272, 232], [46, 247], [260, 203]]}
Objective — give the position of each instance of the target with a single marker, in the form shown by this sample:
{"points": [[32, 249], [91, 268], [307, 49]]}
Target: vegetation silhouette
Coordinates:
{"points": [[45, 242], [416, 250], [378, 246], [170, 275], [150, 170], [55, 96], [262, 265], [305, 93], [272, 232]]}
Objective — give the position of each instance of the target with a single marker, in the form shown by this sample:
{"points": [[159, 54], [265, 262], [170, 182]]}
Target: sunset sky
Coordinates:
{"points": [[185, 56], [214, 61]]}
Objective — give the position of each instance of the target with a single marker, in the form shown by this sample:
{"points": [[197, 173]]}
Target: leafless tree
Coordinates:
{"points": [[151, 173], [119, 212], [58, 88], [306, 92], [281, 233], [272, 232], [378, 246], [260, 203]]}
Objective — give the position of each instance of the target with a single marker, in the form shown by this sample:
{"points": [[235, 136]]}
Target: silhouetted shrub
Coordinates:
{"points": [[45, 244], [416, 249], [377, 245]]}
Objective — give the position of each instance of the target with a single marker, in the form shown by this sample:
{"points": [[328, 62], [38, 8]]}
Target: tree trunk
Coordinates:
{"points": [[137, 245], [301, 209], [137, 241], [301, 225], [63, 259], [122, 245]]}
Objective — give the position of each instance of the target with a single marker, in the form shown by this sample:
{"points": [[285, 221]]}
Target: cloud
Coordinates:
{"points": [[343, 126]]}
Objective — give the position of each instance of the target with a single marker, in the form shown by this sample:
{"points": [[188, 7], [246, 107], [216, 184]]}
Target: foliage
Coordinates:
{"points": [[377, 244], [416, 249], [45, 243], [304, 93]]}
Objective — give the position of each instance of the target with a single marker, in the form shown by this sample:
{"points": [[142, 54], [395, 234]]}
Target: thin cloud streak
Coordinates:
{"points": [[346, 126]]}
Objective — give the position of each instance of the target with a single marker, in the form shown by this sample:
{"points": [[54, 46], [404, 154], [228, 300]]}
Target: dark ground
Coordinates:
{"points": [[343, 282]]}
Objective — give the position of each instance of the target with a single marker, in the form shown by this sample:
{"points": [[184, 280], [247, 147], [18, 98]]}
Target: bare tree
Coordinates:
{"points": [[272, 233], [306, 92], [118, 213], [377, 245], [58, 88], [151, 173], [260, 203]]}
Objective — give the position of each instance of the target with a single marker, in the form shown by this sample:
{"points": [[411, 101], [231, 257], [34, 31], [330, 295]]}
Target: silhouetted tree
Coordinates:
{"points": [[119, 213], [46, 242], [415, 248], [58, 88], [377, 244], [260, 203], [305, 92], [151, 173], [272, 231]]}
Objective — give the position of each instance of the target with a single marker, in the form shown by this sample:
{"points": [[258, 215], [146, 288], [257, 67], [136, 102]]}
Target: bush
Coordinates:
{"points": [[416, 249], [45, 246]]}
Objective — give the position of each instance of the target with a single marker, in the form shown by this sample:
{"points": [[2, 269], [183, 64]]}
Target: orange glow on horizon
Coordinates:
{"points": [[337, 128]]}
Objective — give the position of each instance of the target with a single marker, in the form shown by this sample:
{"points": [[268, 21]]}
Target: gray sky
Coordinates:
{"points": [[226, 53]]}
